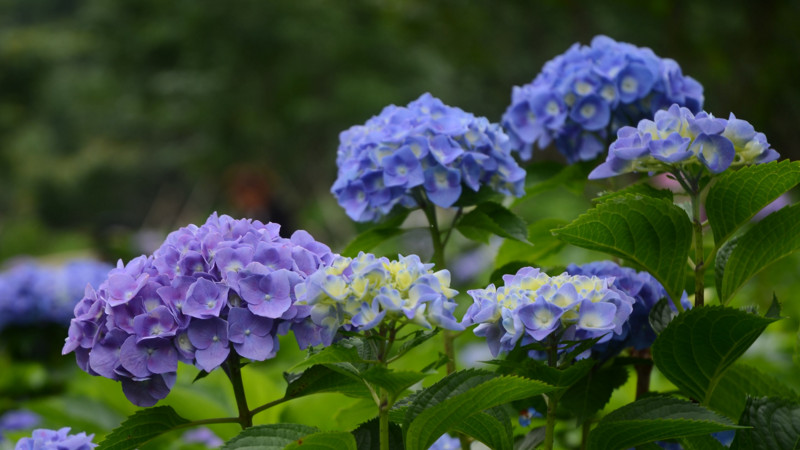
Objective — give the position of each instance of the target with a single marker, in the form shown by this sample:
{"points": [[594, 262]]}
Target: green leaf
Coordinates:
{"points": [[394, 381], [641, 188], [776, 236], [721, 260], [652, 233], [701, 442], [325, 440], [492, 218], [661, 315], [340, 352], [142, 427], [469, 197], [456, 398], [542, 244], [532, 440], [318, 379], [493, 428], [738, 195], [547, 175], [540, 371], [775, 422], [368, 436], [774, 311], [653, 419], [730, 396], [269, 437], [591, 393], [697, 347], [415, 339], [370, 239]]}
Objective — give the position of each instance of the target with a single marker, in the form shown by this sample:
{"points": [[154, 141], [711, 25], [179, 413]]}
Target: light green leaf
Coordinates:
{"points": [[142, 427], [652, 419], [738, 195], [457, 397], [775, 425], [661, 315], [652, 233], [492, 218], [641, 188], [542, 244], [730, 396], [325, 440], [340, 352], [493, 428], [318, 379], [775, 237], [269, 437], [700, 344]]}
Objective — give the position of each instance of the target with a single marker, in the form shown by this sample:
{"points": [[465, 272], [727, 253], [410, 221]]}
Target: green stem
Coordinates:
{"points": [[552, 399], [699, 264], [235, 375], [383, 418], [266, 406]]}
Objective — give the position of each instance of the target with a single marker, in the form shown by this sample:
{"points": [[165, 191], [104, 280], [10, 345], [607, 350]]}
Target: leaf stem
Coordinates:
{"points": [[266, 406]]}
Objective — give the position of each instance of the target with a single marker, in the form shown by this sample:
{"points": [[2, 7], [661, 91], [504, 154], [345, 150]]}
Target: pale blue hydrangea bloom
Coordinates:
{"points": [[582, 97], [43, 439], [533, 305], [359, 293], [426, 146], [446, 442], [678, 140]]}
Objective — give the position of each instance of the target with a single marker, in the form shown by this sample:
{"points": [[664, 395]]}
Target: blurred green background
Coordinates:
{"points": [[122, 120]]}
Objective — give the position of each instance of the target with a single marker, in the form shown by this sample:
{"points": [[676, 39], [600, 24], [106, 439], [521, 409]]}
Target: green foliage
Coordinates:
{"points": [[721, 260], [540, 371], [541, 244], [641, 188], [492, 427], [318, 379], [652, 233], [546, 175], [457, 397], [370, 239], [394, 381], [368, 435], [774, 237], [340, 352], [775, 425], [741, 381], [142, 427], [654, 418], [490, 218], [738, 195], [701, 442], [661, 315], [531, 440], [269, 437], [700, 344], [592, 392], [325, 440]]}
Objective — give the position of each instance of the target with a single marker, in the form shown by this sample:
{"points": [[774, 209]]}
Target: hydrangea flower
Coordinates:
{"points": [[446, 442], [526, 415], [43, 439], [226, 286], [427, 147], [34, 293], [533, 305], [18, 419], [358, 293], [583, 96], [678, 140], [203, 436]]}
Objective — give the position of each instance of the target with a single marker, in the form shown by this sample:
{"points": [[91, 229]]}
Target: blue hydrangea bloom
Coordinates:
{"points": [[18, 419], [356, 294], [526, 415], [226, 286], [33, 293], [677, 139], [533, 305], [446, 442], [203, 436], [427, 147], [582, 97], [43, 439]]}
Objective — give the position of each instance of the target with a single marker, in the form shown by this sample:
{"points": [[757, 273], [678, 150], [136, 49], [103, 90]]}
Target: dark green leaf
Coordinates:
{"points": [[591, 393], [641, 188], [652, 233], [739, 381], [493, 428], [652, 419], [721, 260], [701, 442], [200, 375], [368, 436], [456, 399], [697, 347], [738, 195], [538, 370], [775, 422], [340, 352], [454, 384], [325, 440], [776, 236], [542, 244], [142, 427], [394, 381], [661, 315], [532, 440], [318, 379], [492, 218], [774, 311], [269, 437], [469, 197], [417, 338]]}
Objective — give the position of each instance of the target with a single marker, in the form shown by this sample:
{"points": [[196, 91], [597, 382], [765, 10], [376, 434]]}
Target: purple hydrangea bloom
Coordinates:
{"points": [[204, 436], [33, 293], [43, 439], [582, 97], [446, 442], [226, 287], [676, 139], [358, 293], [426, 147], [532, 306]]}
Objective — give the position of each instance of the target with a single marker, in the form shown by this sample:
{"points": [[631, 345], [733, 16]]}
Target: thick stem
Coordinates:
{"points": [[235, 375], [552, 400], [643, 372], [585, 429], [699, 264]]}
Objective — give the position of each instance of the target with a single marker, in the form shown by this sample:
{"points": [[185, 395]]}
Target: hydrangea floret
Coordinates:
{"points": [[224, 289], [535, 306], [35, 293], [678, 140], [44, 439], [425, 147], [357, 294], [583, 96]]}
